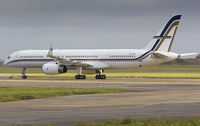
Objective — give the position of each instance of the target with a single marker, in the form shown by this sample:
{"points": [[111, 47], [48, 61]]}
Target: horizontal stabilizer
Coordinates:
{"points": [[187, 54], [160, 37]]}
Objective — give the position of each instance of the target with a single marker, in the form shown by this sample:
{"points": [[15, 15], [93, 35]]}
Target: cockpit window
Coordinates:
{"points": [[8, 57]]}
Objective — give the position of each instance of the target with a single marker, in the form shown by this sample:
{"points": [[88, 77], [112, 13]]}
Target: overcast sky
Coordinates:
{"points": [[92, 24]]}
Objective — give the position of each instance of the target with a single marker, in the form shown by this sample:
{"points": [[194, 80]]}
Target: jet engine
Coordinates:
{"points": [[53, 68]]}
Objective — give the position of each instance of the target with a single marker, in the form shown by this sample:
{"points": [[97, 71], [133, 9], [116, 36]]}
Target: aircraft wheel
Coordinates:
{"points": [[100, 76], [103, 76], [80, 77], [77, 77], [97, 76], [24, 77]]}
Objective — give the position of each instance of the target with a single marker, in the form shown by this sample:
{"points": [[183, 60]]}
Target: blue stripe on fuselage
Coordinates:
{"points": [[30, 60]]}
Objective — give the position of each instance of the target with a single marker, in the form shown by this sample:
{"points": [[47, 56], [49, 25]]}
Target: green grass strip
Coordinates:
{"points": [[14, 94], [161, 71], [113, 75], [157, 69], [153, 122]]}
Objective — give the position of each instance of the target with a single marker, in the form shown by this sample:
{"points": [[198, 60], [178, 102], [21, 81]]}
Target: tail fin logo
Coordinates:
{"points": [[160, 37], [164, 33]]}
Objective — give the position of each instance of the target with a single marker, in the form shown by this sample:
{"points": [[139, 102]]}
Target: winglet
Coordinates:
{"points": [[50, 53]]}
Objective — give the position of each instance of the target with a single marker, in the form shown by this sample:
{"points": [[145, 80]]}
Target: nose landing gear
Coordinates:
{"points": [[23, 73], [24, 77]]}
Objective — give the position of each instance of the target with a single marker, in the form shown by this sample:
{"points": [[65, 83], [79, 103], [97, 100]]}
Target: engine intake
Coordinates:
{"points": [[53, 68]]}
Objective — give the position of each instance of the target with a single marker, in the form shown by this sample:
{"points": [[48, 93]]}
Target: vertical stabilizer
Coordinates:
{"points": [[163, 40]]}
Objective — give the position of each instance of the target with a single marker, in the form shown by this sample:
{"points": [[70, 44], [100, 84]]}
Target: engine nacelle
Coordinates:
{"points": [[53, 68]]}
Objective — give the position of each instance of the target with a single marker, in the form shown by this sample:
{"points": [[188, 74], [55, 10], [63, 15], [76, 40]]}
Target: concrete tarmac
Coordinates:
{"points": [[152, 98]]}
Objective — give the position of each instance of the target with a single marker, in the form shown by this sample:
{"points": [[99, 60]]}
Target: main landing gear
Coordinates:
{"points": [[23, 73], [100, 76], [80, 76], [79, 71]]}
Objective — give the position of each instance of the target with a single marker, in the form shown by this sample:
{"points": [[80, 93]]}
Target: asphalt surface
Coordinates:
{"points": [[152, 98]]}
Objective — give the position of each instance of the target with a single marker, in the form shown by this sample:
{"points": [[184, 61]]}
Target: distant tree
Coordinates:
{"points": [[198, 57], [1, 62], [180, 60]]}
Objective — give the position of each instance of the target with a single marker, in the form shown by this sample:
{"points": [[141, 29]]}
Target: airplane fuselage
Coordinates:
{"points": [[98, 58]]}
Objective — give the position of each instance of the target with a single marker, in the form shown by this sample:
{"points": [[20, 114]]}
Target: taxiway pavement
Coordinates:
{"points": [[152, 98]]}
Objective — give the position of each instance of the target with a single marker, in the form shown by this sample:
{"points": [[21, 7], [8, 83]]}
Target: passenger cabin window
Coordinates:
{"points": [[122, 56], [31, 56]]}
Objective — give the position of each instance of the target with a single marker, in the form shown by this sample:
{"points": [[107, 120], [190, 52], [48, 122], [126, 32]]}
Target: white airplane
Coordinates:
{"points": [[95, 61]]}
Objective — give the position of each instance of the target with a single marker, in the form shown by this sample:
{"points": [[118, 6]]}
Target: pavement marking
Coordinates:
{"points": [[100, 109]]}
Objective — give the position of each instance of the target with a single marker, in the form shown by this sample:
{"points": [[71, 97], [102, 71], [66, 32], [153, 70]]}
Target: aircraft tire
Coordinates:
{"points": [[80, 77], [24, 77], [100, 76]]}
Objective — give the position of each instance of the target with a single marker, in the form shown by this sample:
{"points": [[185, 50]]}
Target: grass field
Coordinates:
{"points": [[153, 122], [116, 75], [157, 69], [161, 71], [14, 94]]}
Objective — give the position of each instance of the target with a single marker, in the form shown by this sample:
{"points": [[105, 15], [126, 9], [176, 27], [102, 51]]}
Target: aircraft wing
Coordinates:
{"points": [[66, 61]]}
